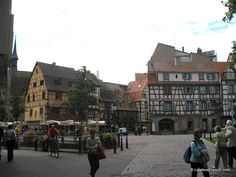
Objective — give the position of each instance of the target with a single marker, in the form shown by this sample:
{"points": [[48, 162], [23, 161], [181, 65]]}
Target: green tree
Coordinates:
{"points": [[229, 15], [17, 107], [231, 6], [232, 55], [82, 97], [3, 112]]}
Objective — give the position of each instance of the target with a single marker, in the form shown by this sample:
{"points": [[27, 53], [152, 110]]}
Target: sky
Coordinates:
{"points": [[116, 38]]}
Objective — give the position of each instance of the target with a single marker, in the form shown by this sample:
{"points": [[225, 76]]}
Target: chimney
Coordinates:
{"points": [[182, 48], [54, 63], [199, 51], [98, 74]]}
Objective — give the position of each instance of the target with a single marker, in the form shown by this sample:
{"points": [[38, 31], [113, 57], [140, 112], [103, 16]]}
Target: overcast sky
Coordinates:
{"points": [[116, 37]]}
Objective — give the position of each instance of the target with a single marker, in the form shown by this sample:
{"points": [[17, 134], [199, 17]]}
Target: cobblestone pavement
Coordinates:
{"points": [[147, 156], [163, 157]]}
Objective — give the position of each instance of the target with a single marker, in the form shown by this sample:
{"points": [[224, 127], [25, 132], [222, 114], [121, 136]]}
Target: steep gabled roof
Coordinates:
{"points": [[56, 71], [136, 88], [165, 59], [57, 78]]}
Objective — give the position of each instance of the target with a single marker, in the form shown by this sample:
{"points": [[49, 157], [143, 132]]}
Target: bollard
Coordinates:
{"points": [[121, 143], [126, 143], [210, 135], [79, 144], [62, 139], [118, 139], [114, 146]]}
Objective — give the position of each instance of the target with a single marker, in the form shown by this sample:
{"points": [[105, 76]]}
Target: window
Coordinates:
{"points": [[58, 96], [188, 90], [56, 110], [28, 98], [31, 112], [211, 76], [202, 90], [33, 97], [168, 106], [187, 76], [212, 89], [201, 76], [41, 111], [167, 90], [58, 81], [204, 105], [34, 84], [231, 89], [43, 95], [42, 82], [165, 76], [190, 125], [189, 106]]}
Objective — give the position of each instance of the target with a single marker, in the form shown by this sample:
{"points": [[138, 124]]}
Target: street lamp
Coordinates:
{"points": [[113, 108]]}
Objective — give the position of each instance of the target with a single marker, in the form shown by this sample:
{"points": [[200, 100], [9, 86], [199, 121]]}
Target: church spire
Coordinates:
{"points": [[14, 54], [14, 59]]}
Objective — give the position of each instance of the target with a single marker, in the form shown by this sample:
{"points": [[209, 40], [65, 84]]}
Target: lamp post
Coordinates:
{"points": [[113, 108]]}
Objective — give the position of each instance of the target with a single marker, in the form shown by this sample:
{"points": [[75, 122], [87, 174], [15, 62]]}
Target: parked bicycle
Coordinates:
{"points": [[53, 147]]}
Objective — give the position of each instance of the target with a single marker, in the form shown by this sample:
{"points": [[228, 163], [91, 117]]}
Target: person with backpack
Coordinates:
{"points": [[199, 155], [10, 138], [221, 148]]}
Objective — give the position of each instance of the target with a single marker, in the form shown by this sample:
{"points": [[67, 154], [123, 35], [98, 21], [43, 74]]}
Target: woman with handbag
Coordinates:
{"points": [[91, 144]]}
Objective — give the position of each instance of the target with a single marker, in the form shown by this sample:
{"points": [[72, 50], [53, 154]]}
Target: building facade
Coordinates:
{"points": [[47, 91], [183, 90]]}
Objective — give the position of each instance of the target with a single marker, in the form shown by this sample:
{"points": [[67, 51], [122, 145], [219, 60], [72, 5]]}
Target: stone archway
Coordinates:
{"points": [[166, 125]]}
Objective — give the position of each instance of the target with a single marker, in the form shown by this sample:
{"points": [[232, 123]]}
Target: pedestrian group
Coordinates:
{"points": [[225, 148]]}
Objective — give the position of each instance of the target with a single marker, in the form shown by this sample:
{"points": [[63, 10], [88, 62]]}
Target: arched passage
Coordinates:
{"points": [[166, 125]]}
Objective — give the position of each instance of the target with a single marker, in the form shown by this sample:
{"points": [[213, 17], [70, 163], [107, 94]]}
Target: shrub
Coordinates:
{"points": [[28, 138], [108, 140]]}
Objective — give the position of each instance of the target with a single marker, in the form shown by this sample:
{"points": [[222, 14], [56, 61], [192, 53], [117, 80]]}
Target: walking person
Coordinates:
{"points": [[10, 138], [1, 138], [36, 139], [230, 134], [199, 156], [220, 148], [91, 144]]}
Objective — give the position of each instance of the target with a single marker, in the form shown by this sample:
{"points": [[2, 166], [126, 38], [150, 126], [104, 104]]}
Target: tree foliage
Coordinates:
{"points": [[232, 55], [231, 6], [17, 105], [3, 112], [82, 97]]}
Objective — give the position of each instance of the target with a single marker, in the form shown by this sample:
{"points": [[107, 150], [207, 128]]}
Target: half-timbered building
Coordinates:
{"points": [[183, 89], [228, 83], [47, 91]]}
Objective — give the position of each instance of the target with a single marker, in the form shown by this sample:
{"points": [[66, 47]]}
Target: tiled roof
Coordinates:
{"points": [[56, 71], [136, 88], [164, 60], [53, 73], [64, 75]]}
